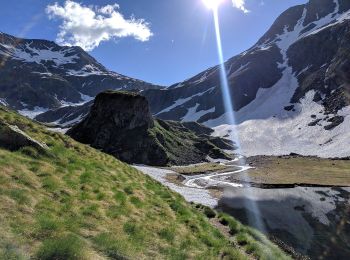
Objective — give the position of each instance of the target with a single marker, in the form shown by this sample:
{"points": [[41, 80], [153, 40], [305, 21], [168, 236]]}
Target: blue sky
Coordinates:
{"points": [[183, 41]]}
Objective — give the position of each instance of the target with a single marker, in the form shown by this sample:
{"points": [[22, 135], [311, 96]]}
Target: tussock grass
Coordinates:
{"points": [[74, 202]]}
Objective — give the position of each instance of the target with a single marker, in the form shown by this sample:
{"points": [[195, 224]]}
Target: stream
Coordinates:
{"points": [[314, 221]]}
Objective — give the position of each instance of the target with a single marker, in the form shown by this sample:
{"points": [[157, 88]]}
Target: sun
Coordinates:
{"points": [[212, 4]]}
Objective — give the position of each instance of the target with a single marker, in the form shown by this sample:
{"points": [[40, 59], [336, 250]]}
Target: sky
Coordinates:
{"points": [[159, 41]]}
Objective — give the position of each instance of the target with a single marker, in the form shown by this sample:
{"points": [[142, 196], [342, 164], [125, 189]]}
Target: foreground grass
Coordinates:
{"points": [[74, 202], [297, 169]]}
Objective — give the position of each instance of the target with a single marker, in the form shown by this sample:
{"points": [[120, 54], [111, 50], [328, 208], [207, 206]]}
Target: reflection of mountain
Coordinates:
{"points": [[311, 220]]}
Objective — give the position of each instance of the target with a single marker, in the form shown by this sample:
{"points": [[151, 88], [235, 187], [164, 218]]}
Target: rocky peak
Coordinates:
{"points": [[120, 123], [125, 110], [313, 12]]}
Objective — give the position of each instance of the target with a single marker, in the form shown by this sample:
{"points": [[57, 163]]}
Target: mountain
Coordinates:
{"points": [[120, 124], [290, 91], [38, 75]]}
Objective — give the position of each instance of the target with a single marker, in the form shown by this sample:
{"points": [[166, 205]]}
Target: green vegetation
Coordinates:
{"points": [[182, 145], [297, 169], [74, 202], [250, 240]]}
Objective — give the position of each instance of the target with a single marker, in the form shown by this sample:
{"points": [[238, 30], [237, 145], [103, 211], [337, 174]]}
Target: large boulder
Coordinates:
{"points": [[120, 123], [12, 138]]}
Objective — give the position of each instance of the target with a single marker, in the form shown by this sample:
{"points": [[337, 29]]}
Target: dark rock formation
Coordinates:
{"points": [[120, 124]]}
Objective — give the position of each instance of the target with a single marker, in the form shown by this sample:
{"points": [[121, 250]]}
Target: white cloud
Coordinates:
{"points": [[88, 26], [240, 4]]}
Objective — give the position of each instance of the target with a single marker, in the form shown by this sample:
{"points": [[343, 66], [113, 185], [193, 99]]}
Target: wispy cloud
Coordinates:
{"points": [[240, 4], [88, 26]]}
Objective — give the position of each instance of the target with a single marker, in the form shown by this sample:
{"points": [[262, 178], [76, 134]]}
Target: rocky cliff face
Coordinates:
{"points": [[121, 124], [37, 75]]}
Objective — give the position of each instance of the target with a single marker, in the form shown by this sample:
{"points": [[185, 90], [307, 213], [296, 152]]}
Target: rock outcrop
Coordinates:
{"points": [[121, 124], [12, 138]]}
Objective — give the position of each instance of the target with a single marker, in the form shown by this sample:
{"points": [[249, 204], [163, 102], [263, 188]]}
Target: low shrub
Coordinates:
{"points": [[68, 247]]}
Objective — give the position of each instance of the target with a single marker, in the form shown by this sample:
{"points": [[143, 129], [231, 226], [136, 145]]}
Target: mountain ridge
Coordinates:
{"points": [[41, 75]]}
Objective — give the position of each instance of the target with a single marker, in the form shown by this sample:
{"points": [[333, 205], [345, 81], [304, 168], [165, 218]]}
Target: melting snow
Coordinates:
{"points": [[281, 136], [89, 70], [29, 54], [71, 122], [32, 113], [193, 115], [182, 101], [84, 98], [3, 102]]}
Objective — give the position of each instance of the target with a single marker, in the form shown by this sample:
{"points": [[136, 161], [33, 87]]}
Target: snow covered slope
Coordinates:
{"points": [[291, 90], [39, 75]]}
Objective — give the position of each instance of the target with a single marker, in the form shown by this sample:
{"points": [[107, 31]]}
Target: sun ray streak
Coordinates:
{"points": [[253, 211]]}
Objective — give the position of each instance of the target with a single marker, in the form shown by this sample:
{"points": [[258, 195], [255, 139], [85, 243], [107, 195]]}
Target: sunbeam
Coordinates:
{"points": [[254, 217]]}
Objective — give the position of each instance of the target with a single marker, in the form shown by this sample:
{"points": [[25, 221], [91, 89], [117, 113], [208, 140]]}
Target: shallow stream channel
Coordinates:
{"points": [[312, 221]]}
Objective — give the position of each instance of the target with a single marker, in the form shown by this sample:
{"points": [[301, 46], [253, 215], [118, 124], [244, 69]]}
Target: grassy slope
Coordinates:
{"points": [[180, 143], [77, 203]]}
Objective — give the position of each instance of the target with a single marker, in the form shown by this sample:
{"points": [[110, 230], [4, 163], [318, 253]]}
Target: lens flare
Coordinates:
{"points": [[253, 212], [212, 4]]}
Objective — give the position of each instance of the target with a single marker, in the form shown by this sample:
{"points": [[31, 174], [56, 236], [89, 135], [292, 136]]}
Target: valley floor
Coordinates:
{"points": [[300, 201]]}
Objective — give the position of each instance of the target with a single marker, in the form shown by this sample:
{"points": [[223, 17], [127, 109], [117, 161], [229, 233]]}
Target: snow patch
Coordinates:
{"points": [[33, 113], [90, 70], [194, 115], [3, 102], [85, 99], [33, 55], [71, 122], [182, 101]]}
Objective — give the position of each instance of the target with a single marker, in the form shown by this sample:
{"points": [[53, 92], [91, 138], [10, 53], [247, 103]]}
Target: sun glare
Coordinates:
{"points": [[212, 4]]}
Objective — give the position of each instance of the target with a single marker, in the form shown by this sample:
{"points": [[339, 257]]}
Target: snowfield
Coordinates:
{"points": [[264, 127], [288, 132]]}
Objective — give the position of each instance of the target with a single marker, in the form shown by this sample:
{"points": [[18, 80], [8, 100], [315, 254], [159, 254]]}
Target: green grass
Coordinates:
{"points": [[74, 202], [67, 247], [296, 170]]}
